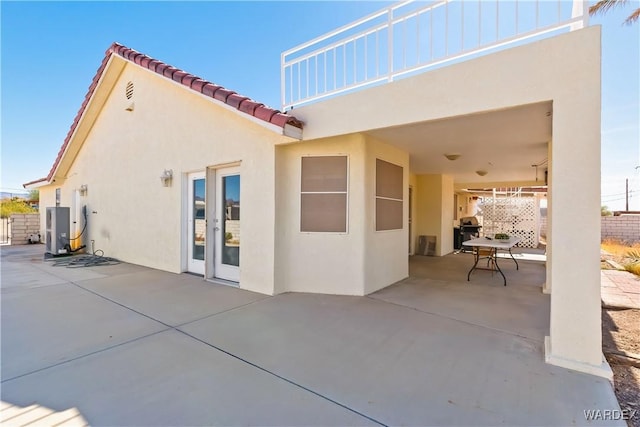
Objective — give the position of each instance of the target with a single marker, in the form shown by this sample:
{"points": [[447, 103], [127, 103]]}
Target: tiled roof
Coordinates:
{"points": [[195, 83]]}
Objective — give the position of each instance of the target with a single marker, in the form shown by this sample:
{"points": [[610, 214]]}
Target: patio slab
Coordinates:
{"points": [[519, 308], [44, 326], [405, 367], [189, 352], [170, 379], [173, 299]]}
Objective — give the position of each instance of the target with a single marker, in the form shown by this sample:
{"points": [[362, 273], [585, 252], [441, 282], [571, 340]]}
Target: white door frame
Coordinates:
{"points": [[194, 265], [221, 270]]}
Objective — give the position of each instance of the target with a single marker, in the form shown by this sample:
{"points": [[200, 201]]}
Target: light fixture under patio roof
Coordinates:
{"points": [[482, 173], [452, 156]]}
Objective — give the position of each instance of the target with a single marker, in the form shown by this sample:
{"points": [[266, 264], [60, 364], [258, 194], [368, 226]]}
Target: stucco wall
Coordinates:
{"points": [[386, 252], [133, 216], [434, 215], [320, 262]]}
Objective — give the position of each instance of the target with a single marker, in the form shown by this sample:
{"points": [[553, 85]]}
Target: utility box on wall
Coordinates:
{"points": [[57, 230]]}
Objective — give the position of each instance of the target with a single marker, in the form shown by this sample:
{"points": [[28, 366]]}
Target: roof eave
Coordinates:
{"points": [[38, 183]]}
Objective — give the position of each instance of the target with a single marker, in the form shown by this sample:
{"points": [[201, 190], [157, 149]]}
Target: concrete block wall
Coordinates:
{"points": [[623, 227], [22, 225]]}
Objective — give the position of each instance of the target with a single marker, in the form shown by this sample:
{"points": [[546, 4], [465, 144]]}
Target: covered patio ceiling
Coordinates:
{"points": [[504, 143]]}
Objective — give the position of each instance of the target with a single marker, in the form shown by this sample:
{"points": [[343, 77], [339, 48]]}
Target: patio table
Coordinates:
{"points": [[492, 245]]}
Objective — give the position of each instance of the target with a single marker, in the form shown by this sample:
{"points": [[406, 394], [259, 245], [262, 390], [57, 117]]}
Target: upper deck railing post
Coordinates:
{"points": [[390, 44]]}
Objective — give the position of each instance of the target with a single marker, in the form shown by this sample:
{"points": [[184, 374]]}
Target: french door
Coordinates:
{"points": [[227, 224], [196, 223]]}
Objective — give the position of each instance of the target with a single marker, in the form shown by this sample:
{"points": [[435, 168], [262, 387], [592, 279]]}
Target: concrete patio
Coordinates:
{"points": [[128, 345]]}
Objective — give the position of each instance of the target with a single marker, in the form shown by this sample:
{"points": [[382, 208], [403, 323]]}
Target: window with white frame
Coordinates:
{"points": [[323, 194], [389, 196]]}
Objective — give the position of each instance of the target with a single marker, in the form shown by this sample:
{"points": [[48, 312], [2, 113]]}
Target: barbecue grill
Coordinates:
{"points": [[469, 229]]}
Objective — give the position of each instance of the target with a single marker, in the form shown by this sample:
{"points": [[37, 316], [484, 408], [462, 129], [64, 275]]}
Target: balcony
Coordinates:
{"points": [[412, 37]]}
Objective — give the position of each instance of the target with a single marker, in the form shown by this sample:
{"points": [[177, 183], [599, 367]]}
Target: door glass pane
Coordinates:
{"points": [[231, 223], [199, 219]]}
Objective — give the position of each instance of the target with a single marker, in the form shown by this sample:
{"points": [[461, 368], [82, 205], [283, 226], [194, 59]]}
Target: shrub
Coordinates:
{"points": [[8, 207]]}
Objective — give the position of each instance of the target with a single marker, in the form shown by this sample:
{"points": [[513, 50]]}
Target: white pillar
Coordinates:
{"points": [[575, 339]]}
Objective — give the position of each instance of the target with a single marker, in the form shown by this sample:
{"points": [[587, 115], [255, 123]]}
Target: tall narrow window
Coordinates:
{"points": [[57, 197], [323, 198], [389, 192]]}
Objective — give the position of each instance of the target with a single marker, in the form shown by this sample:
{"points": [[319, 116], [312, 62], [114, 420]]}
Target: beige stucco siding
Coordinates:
{"points": [[357, 262], [434, 217], [139, 220], [386, 252], [330, 263]]}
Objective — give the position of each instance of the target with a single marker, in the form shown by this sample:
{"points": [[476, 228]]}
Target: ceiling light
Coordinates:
{"points": [[482, 173], [452, 156]]}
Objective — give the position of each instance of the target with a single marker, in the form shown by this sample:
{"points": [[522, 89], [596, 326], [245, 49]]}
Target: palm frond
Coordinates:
{"points": [[602, 6], [633, 17]]}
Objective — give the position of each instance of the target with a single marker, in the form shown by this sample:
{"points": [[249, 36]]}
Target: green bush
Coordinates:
{"points": [[8, 207]]}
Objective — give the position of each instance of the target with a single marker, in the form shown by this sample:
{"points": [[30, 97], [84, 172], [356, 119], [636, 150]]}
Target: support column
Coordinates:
{"points": [[575, 339]]}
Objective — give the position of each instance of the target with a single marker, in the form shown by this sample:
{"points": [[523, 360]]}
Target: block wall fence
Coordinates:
{"points": [[22, 225], [624, 227]]}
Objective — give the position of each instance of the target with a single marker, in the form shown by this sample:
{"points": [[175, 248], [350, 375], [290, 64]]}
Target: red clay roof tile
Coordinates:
{"points": [[161, 67], [153, 64], [222, 94], [168, 72], [242, 103], [280, 119], [198, 84], [235, 100], [249, 106], [210, 89], [264, 113], [178, 75], [188, 79]]}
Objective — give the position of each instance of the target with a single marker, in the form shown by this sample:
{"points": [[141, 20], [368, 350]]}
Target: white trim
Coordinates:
{"points": [[195, 266], [38, 184], [602, 370], [184, 225], [86, 108], [225, 272]]}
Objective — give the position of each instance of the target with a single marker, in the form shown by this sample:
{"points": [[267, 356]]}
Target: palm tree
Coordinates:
{"points": [[602, 6]]}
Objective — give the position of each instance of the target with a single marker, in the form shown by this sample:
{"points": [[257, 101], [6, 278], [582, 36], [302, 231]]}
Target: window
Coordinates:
{"points": [[323, 198], [57, 197], [389, 193]]}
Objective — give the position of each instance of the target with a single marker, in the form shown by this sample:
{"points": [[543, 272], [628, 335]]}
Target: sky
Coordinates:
{"points": [[50, 52]]}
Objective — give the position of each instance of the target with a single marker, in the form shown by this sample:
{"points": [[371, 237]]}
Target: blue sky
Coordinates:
{"points": [[50, 52]]}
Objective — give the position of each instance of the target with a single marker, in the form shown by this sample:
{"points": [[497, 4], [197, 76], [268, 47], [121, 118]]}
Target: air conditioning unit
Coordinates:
{"points": [[57, 231]]}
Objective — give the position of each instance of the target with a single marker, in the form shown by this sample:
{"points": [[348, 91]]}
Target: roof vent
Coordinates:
{"points": [[129, 90]]}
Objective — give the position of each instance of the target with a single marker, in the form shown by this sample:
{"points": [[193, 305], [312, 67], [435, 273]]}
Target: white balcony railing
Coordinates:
{"points": [[413, 36]]}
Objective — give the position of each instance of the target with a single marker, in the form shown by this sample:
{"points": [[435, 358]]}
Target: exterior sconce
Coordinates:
{"points": [[166, 177], [83, 189], [482, 173], [130, 107]]}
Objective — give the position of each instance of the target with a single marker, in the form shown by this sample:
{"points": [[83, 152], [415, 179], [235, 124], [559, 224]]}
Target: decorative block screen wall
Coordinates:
{"points": [[516, 216]]}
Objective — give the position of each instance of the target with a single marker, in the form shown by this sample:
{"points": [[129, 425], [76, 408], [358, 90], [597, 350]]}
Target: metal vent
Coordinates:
{"points": [[129, 90]]}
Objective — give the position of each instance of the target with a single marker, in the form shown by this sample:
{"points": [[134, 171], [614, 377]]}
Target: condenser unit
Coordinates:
{"points": [[57, 231]]}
